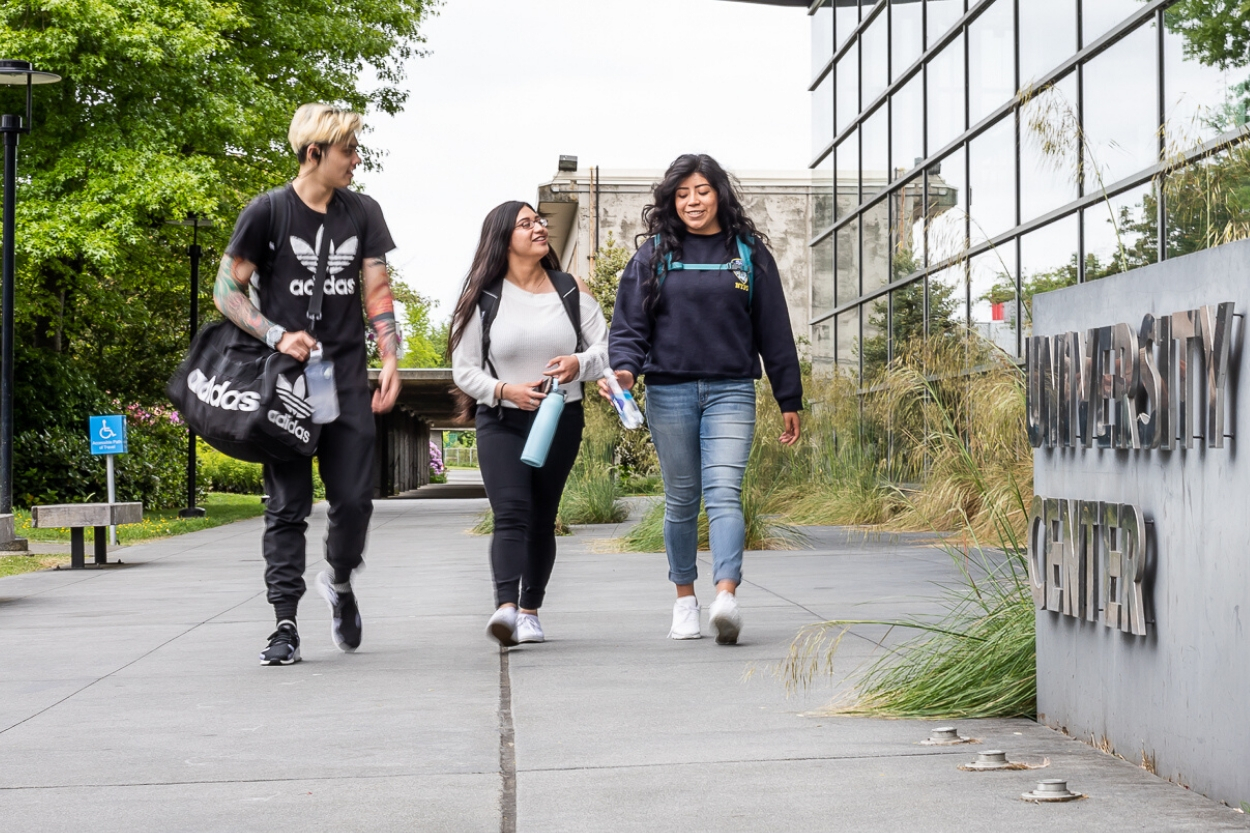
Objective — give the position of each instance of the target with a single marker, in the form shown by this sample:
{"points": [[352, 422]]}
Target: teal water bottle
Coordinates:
{"points": [[538, 443]]}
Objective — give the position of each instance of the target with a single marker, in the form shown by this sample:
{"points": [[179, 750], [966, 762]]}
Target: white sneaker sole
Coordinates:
{"points": [[294, 659], [727, 629], [675, 635], [501, 633]]}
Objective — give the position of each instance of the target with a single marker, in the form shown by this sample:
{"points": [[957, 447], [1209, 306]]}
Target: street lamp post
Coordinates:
{"points": [[196, 222], [12, 73]]}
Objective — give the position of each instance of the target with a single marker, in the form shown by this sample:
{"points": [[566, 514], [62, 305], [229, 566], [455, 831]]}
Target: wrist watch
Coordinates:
{"points": [[275, 334]]}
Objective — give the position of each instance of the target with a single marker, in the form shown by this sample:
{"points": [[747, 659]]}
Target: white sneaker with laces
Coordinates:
{"points": [[528, 629], [725, 618], [685, 619], [502, 626]]}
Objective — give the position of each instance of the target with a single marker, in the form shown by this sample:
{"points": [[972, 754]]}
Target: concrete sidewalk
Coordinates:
{"points": [[131, 700]]}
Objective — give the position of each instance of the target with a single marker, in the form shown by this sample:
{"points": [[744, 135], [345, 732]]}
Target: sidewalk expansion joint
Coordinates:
{"points": [[507, 748], [736, 761]]}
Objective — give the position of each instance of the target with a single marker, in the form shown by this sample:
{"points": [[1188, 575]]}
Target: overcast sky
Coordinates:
{"points": [[509, 85]]}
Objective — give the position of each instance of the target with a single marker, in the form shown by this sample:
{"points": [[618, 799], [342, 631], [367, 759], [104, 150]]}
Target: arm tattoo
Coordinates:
{"points": [[231, 298], [380, 306]]}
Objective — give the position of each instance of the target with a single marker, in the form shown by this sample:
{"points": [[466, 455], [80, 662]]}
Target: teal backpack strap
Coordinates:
{"points": [[744, 251]]}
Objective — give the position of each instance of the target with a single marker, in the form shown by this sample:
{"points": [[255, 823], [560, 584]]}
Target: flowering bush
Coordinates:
{"points": [[436, 460]]}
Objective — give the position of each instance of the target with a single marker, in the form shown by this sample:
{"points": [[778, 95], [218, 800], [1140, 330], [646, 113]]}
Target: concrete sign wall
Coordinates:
{"points": [[1140, 553]]}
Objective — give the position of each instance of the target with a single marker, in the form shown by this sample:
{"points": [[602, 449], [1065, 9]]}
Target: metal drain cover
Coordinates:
{"points": [[988, 761], [945, 736], [1052, 789]]}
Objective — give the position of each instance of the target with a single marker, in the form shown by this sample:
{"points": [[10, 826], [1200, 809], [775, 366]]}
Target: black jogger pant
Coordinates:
{"points": [[345, 457], [524, 499]]}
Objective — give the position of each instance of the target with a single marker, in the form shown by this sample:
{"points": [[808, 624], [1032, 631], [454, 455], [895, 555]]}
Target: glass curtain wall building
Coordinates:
{"points": [[970, 153]]}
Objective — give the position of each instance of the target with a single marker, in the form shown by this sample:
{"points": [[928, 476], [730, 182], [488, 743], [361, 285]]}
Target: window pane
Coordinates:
{"points": [[822, 196], [1121, 125], [948, 310], [1200, 102], [906, 318], [907, 229], [1207, 203], [1047, 261], [846, 18], [907, 117], [875, 43], [822, 115], [876, 222], [991, 60], [848, 174], [992, 283], [823, 355], [848, 343], [848, 87], [992, 180], [848, 262], [1047, 36], [907, 38], [947, 211], [946, 95], [1121, 233], [942, 15], [1049, 149], [874, 151], [822, 277], [1101, 16], [876, 344], [822, 37]]}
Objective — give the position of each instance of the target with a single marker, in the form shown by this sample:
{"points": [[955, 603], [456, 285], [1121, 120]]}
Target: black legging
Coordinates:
{"points": [[524, 499]]}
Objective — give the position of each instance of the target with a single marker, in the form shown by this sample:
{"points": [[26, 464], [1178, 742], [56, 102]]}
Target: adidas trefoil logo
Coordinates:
{"points": [[294, 397], [339, 259]]}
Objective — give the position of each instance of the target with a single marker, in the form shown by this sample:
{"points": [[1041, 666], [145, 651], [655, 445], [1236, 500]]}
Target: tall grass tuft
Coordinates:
{"points": [[591, 496]]}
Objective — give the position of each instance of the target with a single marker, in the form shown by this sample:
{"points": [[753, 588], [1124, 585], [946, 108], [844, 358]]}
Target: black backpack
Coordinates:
{"points": [[488, 308]]}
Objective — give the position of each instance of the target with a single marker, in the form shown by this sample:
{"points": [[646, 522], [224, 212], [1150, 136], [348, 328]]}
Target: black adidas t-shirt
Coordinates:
{"points": [[284, 295]]}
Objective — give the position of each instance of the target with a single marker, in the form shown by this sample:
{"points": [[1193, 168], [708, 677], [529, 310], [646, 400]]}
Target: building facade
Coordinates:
{"points": [[585, 206], [970, 153]]}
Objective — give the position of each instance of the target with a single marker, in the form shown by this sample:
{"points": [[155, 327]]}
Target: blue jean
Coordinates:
{"points": [[702, 433]]}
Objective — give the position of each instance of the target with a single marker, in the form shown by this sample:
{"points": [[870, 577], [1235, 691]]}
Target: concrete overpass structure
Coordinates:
{"points": [[402, 455]]}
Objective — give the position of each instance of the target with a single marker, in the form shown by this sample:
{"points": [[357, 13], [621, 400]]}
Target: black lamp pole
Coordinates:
{"points": [[195, 253], [12, 73]]}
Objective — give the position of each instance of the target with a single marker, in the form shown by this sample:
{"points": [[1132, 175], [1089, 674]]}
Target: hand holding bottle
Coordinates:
{"points": [[621, 399]]}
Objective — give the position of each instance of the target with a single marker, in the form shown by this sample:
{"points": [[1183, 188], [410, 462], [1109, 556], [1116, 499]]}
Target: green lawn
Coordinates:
{"points": [[222, 509]]}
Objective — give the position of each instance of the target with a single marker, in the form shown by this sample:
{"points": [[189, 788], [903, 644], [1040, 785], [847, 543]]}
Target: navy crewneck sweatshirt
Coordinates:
{"points": [[704, 326]]}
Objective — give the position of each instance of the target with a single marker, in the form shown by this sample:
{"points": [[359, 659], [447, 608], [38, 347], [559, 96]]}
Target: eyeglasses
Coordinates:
{"points": [[529, 222]]}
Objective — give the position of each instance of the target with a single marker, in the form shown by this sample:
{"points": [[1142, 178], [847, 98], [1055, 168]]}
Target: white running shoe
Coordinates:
{"points": [[528, 629], [502, 626], [685, 619], [725, 618]]}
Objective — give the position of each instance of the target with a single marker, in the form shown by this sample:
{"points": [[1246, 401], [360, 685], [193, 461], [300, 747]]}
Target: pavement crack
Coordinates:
{"points": [[124, 666], [507, 748]]}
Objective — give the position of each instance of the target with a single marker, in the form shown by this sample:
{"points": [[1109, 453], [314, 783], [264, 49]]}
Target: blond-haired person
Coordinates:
{"points": [[319, 211]]}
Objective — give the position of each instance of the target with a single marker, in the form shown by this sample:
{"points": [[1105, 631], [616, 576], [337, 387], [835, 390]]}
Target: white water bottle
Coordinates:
{"points": [[623, 401], [322, 394]]}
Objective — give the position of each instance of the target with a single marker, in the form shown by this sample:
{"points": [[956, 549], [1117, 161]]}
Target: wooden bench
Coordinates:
{"points": [[78, 516]]}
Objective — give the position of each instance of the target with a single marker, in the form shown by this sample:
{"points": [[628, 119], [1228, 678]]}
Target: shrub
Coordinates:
{"points": [[220, 473]]}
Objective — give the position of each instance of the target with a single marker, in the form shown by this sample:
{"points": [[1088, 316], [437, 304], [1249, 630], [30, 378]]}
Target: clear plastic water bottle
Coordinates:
{"points": [[538, 443], [322, 394], [623, 401]]}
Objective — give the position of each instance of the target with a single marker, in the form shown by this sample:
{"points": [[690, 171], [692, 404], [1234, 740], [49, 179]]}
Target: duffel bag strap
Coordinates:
{"points": [[319, 290]]}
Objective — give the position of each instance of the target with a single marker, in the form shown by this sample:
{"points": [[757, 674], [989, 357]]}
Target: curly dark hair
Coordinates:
{"points": [[660, 217]]}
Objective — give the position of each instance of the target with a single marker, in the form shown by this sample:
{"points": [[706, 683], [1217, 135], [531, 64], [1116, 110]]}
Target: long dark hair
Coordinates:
{"points": [[660, 217], [490, 263]]}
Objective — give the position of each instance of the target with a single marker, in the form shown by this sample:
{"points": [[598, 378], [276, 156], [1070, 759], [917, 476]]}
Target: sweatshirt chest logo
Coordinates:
{"points": [[739, 270], [338, 260]]}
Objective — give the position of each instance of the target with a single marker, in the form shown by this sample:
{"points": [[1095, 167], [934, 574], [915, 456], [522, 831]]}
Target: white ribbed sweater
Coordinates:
{"points": [[529, 331]]}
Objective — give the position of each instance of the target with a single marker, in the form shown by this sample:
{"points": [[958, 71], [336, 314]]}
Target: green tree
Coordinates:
{"points": [[907, 321], [609, 265], [425, 343]]}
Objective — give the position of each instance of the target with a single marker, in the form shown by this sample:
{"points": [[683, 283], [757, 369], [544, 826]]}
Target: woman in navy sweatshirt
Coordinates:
{"points": [[698, 306]]}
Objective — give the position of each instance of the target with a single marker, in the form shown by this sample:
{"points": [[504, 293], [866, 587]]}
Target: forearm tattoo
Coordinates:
{"points": [[230, 296], [380, 306]]}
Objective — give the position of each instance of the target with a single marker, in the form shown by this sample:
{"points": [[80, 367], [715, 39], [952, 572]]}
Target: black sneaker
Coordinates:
{"points": [[345, 624], [283, 645]]}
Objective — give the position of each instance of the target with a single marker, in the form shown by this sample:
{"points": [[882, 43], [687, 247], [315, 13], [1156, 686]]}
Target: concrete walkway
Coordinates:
{"points": [[131, 700]]}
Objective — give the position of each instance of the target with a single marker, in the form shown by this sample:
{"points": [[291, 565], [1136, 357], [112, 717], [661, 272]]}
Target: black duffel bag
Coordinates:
{"points": [[245, 400]]}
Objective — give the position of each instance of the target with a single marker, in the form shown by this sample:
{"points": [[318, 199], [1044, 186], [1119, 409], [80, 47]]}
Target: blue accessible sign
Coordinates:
{"points": [[108, 434]]}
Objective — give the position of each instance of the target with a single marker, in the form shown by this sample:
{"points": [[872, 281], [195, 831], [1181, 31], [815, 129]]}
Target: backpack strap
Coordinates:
{"points": [[570, 296], [744, 254], [744, 251], [279, 226], [488, 308]]}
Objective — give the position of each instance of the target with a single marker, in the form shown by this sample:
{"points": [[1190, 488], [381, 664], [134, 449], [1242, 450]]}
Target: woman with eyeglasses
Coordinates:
{"points": [[698, 307], [540, 324]]}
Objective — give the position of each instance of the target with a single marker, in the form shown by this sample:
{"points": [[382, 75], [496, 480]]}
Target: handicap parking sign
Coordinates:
{"points": [[108, 434]]}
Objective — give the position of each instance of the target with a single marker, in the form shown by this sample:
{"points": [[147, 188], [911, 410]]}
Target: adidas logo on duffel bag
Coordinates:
{"points": [[220, 396]]}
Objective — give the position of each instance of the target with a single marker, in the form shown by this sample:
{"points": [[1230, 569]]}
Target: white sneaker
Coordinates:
{"points": [[685, 619], [725, 618], [502, 626], [528, 629]]}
